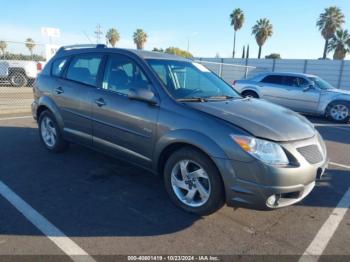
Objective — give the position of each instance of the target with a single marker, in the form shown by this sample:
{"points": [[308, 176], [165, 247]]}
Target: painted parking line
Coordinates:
{"points": [[14, 118], [339, 165], [68, 246], [324, 235]]}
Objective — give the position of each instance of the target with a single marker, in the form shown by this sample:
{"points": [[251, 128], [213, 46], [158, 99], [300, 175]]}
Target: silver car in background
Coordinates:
{"points": [[300, 92]]}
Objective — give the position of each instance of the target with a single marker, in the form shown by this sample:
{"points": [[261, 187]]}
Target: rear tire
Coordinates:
{"points": [[338, 111], [189, 172], [18, 79], [250, 94], [50, 134]]}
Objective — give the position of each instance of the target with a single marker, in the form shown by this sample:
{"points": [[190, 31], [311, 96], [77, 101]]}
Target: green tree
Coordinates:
{"points": [[237, 21], [3, 47], [262, 30], [30, 44], [160, 50], [112, 37], [340, 44], [178, 51], [328, 23], [273, 56], [140, 38]]}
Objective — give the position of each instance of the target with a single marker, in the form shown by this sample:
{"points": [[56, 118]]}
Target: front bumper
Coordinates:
{"points": [[251, 184]]}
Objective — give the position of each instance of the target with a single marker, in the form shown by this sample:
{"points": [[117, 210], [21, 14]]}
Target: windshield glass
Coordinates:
{"points": [[320, 83], [186, 80]]}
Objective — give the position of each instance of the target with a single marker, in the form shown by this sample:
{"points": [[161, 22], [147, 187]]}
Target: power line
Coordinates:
{"points": [[98, 33]]}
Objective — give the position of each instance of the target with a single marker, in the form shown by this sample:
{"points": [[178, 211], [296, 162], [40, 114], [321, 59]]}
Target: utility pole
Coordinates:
{"points": [[98, 33]]}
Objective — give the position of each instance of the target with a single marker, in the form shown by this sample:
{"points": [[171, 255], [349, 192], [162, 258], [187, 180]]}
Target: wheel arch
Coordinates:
{"points": [[250, 89], [46, 103], [177, 139]]}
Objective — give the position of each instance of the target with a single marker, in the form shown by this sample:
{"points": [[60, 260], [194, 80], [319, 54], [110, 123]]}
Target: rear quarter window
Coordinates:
{"points": [[273, 79], [58, 66]]}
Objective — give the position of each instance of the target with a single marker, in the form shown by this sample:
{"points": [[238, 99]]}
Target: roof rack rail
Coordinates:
{"points": [[72, 47]]}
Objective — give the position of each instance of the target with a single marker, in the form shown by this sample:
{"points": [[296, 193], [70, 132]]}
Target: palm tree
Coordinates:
{"points": [[112, 37], [262, 30], [237, 20], [30, 44], [3, 47], [140, 38], [340, 44], [328, 23]]}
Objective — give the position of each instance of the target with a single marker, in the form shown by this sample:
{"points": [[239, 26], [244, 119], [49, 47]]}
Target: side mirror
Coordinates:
{"points": [[310, 86], [143, 94]]}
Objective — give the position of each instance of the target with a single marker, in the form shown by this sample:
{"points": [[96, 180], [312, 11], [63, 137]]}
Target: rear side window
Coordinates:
{"points": [[273, 79], [84, 68], [58, 66]]}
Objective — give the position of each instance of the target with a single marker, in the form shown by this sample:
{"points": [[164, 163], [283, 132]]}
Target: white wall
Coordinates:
{"points": [[334, 71]]}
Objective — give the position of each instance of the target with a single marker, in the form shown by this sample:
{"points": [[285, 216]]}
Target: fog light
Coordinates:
{"points": [[272, 201]]}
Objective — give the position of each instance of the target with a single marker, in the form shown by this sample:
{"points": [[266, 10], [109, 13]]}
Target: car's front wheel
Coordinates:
{"points": [[193, 182], [50, 133], [339, 111]]}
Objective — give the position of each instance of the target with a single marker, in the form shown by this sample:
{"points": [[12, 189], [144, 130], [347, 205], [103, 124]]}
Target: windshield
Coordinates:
{"points": [[320, 83], [186, 81]]}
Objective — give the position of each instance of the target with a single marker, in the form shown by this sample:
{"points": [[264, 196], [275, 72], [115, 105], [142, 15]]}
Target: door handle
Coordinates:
{"points": [[100, 102], [59, 90]]}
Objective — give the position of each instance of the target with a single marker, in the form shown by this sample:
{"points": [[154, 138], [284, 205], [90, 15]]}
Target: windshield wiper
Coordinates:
{"points": [[192, 99], [221, 97]]}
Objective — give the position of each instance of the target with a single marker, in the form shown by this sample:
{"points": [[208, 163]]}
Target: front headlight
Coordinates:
{"points": [[266, 151]]}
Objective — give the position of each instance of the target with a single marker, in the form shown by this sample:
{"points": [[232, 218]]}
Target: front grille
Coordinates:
{"points": [[311, 153]]}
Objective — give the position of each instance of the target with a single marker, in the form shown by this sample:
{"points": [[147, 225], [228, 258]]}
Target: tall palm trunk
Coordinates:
{"points": [[325, 49], [259, 55], [234, 45]]}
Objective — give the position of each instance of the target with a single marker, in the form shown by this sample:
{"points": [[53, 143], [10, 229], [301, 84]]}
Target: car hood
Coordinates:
{"points": [[339, 91], [260, 118]]}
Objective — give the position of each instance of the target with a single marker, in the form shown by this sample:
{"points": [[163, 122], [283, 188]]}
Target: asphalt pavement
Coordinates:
{"points": [[89, 202]]}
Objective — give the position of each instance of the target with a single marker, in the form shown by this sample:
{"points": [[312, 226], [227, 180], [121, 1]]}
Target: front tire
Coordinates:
{"points": [[50, 134], [193, 182], [339, 111]]}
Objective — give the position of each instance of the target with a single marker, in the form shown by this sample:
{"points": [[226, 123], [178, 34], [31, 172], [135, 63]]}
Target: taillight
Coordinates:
{"points": [[39, 66], [234, 82]]}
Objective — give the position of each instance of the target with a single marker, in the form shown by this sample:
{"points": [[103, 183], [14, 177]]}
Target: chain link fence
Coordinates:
{"points": [[20, 64]]}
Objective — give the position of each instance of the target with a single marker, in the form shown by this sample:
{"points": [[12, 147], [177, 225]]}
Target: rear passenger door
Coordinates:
{"points": [[121, 126], [72, 94]]}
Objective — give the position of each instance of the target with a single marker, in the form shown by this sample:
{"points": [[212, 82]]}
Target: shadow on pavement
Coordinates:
{"points": [[88, 194]]}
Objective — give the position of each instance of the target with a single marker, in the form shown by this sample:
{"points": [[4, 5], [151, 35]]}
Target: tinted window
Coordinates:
{"points": [[122, 74], [84, 68], [295, 81], [273, 79], [58, 66]]}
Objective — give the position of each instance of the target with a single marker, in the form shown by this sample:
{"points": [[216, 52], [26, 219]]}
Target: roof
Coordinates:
{"points": [[285, 73], [141, 53]]}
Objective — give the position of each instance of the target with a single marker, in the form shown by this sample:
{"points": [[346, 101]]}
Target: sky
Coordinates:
{"points": [[205, 23]]}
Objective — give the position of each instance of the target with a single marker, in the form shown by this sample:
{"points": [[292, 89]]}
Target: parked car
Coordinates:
{"points": [[19, 73], [176, 118], [300, 92]]}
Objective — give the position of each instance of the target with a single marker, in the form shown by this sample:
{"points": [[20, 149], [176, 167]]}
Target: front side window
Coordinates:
{"points": [[84, 68], [190, 80], [122, 74], [58, 66], [295, 81]]}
